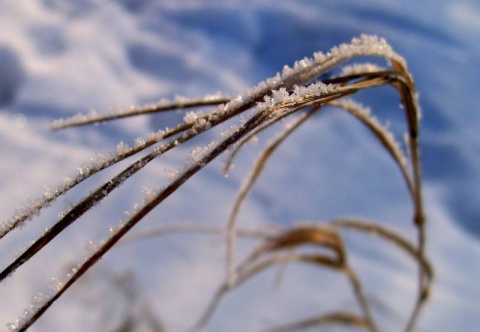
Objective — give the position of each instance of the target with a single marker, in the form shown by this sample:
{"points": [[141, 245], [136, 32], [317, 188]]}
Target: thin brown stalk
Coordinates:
{"points": [[386, 233], [249, 182], [196, 228], [248, 269], [278, 97], [139, 215], [335, 318], [383, 136]]}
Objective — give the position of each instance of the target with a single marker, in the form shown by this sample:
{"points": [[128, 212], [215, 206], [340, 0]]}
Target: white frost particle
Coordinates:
{"points": [[101, 161], [319, 57], [11, 327], [280, 95], [73, 271], [149, 194], [190, 117], [253, 140], [139, 142], [56, 284], [39, 300], [226, 133], [48, 194], [197, 154], [122, 149], [74, 120], [287, 71], [36, 304], [181, 99], [360, 68], [91, 246], [172, 174], [68, 182], [16, 254]]}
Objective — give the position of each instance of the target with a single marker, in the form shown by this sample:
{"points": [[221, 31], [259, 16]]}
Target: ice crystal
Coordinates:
{"points": [[197, 154], [91, 246], [190, 117], [122, 149], [360, 68], [139, 142], [56, 284], [226, 133], [78, 118], [172, 174], [36, 304]]}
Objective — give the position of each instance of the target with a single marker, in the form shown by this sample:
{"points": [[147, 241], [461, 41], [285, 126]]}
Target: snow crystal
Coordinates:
{"points": [[253, 140], [172, 174], [68, 181], [112, 229], [36, 304], [11, 327], [76, 119], [156, 137], [319, 57], [190, 117], [122, 149], [181, 99], [39, 300], [100, 160], [16, 254], [287, 71], [149, 194], [56, 284], [139, 142], [49, 193], [91, 246], [197, 154], [360, 68], [201, 125], [228, 132], [279, 95]]}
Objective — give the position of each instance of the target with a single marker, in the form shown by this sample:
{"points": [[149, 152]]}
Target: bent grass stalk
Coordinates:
{"points": [[294, 91]]}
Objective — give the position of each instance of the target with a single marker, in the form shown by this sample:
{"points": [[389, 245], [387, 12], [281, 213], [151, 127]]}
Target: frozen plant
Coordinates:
{"points": [[296, 94]]}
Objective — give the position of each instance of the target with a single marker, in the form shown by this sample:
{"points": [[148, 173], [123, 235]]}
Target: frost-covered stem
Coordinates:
{"points": [[279, 115], [37, 204], [303, 72], [90, 201], [99, 194], [141, 213], [190, 103], [246, 188], [292, 105], [383, 135], [75, 213]]}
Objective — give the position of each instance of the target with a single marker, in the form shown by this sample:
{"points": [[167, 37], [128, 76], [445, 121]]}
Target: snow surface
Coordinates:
{"points": [[61, 58]]}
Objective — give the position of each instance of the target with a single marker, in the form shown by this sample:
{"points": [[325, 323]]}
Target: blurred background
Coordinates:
{"points": [[61, 58]]}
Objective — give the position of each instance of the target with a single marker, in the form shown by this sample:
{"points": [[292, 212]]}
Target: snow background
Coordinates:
{"points": [[61, 58]]}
